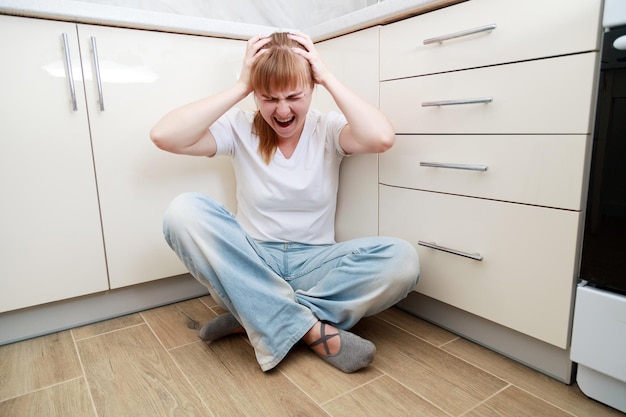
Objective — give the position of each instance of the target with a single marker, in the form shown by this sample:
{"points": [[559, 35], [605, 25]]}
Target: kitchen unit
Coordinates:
{"points": [[84, 188], [487, 179], [50, 219]]}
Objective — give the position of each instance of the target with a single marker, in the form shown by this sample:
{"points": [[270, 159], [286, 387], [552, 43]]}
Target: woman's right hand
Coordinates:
{"points": [[185, 130], [254, 49]]}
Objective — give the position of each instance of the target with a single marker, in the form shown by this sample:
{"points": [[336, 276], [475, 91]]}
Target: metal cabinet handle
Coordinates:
{"points": [[474, 256], [454, 166], [476, 100], [96, 66], [70, 75], [467, 32]]}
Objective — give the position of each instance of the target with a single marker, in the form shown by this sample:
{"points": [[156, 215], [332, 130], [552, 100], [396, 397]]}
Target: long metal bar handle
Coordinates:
{"points": [[476, 100], [454, 166], [467, 32], [70, 74], [96, 65], [474, 256]]}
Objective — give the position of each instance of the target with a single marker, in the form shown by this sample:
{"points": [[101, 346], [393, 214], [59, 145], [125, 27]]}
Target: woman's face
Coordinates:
{"points": [[285, 111]]}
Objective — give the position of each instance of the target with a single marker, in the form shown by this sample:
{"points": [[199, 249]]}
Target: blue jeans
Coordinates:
{"points": [[278, 290]]}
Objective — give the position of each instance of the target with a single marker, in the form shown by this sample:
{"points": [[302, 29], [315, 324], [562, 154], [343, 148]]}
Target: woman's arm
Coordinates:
{"points": [[368, 129], [185, 130]]}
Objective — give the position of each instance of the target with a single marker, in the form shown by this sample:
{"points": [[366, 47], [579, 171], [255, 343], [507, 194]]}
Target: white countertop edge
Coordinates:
{"points": [[387, 11], [94, 13]]}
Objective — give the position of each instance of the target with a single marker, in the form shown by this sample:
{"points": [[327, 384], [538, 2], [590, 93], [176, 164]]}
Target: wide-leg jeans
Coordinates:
{"points": [[279, 290]]}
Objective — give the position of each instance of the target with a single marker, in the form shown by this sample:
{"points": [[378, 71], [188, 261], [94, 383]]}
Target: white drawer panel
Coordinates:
{"points": [[545, 96], [526, 29], [526, 278], [543, 170]]}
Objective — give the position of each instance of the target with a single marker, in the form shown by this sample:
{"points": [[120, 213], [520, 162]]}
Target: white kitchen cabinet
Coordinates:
{"points": [[491, 159], [531, 97], [510, 263], [51, 240], [143, 75], [84, 190], [481, 33], [353, 59], [540, 170]]}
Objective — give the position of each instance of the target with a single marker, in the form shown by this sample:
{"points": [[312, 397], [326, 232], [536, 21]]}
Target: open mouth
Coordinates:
{"points": [[285, 122]]}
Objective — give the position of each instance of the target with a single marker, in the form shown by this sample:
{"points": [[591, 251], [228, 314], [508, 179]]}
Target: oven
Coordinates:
{"points": [[599, 327]]}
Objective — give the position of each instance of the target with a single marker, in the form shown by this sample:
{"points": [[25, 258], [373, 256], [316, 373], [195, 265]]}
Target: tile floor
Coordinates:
{"points": [[152, 364]]}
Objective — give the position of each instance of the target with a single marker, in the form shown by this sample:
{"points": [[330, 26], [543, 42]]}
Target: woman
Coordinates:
{"points": [[275, 266]]}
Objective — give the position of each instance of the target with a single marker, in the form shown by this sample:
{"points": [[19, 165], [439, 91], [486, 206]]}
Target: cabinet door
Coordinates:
{"points": [[535, 97], [515, 168], [514, 264], [353, 59], [488, 32], [143, 75], [51, 239]]}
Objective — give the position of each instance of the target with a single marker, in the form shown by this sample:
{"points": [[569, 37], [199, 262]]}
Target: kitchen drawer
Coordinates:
{"points": [[526, 277], [526, 29], [544, 96], [543, 170]]}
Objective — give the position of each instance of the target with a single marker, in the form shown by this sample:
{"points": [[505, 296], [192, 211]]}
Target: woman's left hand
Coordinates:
{"points": [[368, 129], [320, 71]]}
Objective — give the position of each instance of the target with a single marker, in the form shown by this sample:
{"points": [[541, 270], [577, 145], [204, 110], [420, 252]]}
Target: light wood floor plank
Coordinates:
{"points": [[178, 324], [420, 328], [382, 397], [513, 402], [130, 374], [567, 397], [208, 300], [69, 399], [37, 363], [448, 382], [231, 383], [319, 379], [106, 326]]}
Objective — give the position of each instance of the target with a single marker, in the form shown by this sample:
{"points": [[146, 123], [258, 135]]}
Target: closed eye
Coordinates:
{"points": [[292, 97]]}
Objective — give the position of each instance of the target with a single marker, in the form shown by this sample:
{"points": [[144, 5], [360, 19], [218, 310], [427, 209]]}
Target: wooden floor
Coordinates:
{"points": [[153, 364]]}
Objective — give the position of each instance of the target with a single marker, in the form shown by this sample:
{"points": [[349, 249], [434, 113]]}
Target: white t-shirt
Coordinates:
{"points": [[287, 200]]}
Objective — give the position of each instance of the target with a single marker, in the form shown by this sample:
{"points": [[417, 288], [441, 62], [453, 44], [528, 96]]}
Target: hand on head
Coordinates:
{"points": [[320, 71], [254, 49]]}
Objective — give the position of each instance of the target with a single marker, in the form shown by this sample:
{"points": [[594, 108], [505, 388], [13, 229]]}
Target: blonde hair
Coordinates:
{"points": [[278, 69]]}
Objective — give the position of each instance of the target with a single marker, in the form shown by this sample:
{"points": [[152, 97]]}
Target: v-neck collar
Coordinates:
{"points": [[304, 135]]}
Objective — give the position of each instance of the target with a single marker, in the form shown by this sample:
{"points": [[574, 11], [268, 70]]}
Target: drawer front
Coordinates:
{"points": [[544, 96], [524, 30], [540, 170], [526, 277]]}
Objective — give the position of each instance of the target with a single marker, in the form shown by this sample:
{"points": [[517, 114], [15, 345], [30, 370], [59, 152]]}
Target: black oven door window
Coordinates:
{"points": [[604, 245]]}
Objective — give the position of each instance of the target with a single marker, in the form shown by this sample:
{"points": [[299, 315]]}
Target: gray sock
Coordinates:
{"points": [[219, 327], [355, 352]]}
